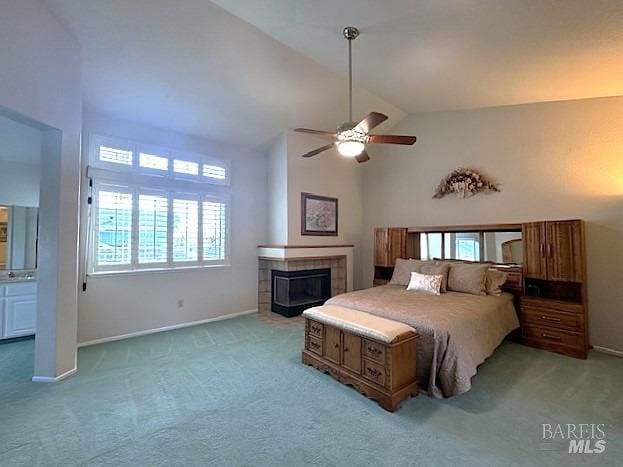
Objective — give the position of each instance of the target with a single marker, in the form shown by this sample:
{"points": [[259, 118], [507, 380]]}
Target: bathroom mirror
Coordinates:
{"points": [[18, 237]]}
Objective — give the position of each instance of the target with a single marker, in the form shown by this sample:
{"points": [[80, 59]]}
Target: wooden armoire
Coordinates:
{"points": [[554, 310], [389, 243]]}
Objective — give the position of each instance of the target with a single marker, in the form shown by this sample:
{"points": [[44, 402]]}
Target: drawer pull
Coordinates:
{"points": [[345, 349], [316, 329], [336, 345], [549, 318], [549, 336], [313, 344], [373, 372], [374, 350]]}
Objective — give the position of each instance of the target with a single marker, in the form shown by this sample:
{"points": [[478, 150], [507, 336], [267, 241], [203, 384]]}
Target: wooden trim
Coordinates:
{"points": [[305, 246], [468, 228]]}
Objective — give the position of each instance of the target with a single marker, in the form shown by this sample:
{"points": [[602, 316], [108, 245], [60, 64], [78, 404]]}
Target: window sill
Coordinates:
{"points": [[140, 272]]}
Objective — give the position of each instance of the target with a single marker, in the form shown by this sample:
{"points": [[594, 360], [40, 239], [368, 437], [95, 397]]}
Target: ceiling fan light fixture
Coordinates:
{"points": [[350, 148], [351, 138]]}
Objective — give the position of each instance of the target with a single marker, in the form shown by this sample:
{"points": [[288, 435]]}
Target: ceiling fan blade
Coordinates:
{"points": [[318, 151], [363, 157], [373, 119], [390, 139], [320, 133]]}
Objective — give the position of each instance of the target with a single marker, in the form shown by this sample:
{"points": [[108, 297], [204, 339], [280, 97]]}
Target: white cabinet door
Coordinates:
{"points": [[20, 316]]}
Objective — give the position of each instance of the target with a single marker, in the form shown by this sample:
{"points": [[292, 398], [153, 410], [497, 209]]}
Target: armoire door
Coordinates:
{"points": [[397, 244], [535, 264], [381, 251], [564, 251]]}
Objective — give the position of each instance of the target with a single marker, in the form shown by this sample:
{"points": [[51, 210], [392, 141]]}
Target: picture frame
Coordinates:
{"points": [[319, 215]]}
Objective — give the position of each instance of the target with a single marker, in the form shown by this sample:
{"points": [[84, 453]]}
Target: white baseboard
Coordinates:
{"points": [[166, 328], [618, 353], [56, 379]]}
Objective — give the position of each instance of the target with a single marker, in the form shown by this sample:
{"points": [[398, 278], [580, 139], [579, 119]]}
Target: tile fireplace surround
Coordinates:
{"points": [[338, 258]]}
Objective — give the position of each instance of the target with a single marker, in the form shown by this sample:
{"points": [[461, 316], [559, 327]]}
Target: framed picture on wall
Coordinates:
{"points": [[318, 215]]}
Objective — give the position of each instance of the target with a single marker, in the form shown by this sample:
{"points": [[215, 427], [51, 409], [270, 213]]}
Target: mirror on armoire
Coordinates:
{"points": [[502, 247]]}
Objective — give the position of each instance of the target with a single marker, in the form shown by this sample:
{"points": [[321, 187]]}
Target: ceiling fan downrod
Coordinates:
{"points": [[350, 33]]}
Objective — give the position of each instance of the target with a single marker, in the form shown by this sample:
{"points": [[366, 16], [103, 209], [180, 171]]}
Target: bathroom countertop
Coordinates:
{"points": [[12, 280]]}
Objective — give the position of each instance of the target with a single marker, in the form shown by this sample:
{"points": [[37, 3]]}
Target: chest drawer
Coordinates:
{"points": [[314, 344], [314, 328], [551, 318], [553, 336], [374, 372], [374, 351]]}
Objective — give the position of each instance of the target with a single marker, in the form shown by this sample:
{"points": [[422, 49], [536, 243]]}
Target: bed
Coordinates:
{"points": [[457, 331]]}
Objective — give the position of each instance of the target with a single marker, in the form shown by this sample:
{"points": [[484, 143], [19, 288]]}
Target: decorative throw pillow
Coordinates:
{"points": [[494, 281], [468, 278], [425, 283], [403, 269], [440, 269]]}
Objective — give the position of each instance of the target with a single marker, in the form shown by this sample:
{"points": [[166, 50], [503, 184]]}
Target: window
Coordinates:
{"points": [[114, 228], [153, 217], [214, 171], [185, 229], [143, 220], [467, 249], [185, 167], [116, 156], [151, 161], [119, 155], [214, 219]]}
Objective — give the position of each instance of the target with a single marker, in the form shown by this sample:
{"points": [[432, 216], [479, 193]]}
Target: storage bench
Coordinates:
{"points": [[374, 355]]}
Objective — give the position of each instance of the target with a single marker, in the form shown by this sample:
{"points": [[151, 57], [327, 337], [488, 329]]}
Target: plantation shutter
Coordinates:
{"points": [[214, 230]]}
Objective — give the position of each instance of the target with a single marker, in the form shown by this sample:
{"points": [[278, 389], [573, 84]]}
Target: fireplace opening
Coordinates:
{"points": [[295, 291]]}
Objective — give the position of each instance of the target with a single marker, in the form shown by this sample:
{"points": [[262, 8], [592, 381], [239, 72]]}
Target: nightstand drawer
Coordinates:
{"points": [[553, 336], [552, 305], [555, 319], [374, 372]]}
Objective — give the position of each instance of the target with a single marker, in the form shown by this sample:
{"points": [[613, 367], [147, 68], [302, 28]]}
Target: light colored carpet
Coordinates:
{"points": [[235, 393]]}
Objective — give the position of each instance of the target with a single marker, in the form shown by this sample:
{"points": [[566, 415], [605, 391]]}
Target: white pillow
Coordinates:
{"points": [[425, 283]]}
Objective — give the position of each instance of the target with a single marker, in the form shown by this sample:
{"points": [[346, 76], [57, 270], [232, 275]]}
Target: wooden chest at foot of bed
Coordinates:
{"points": [[380, 368]]}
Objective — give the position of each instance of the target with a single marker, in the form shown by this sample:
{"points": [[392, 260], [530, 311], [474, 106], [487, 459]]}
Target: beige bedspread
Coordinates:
{"points": [[457, 331]]}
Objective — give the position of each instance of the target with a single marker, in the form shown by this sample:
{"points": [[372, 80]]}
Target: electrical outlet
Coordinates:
{"points": [[180, 303]]}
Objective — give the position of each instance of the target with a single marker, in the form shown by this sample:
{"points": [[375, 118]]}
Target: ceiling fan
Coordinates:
{"points": [[351, 137]]}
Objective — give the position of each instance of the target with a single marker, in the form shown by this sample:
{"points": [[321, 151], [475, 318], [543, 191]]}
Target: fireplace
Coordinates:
{"points": [[295, 291]]}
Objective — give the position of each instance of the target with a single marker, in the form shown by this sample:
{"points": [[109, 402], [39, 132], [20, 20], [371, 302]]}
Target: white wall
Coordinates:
{"points": [[19, 184], [40, 76], [20, 155], [117, 305], [559, 160], [327, 174], [278, 191]]}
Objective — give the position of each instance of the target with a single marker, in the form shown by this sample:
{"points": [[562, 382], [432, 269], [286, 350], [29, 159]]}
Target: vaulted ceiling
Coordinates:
{"points": [[245, 70]]}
